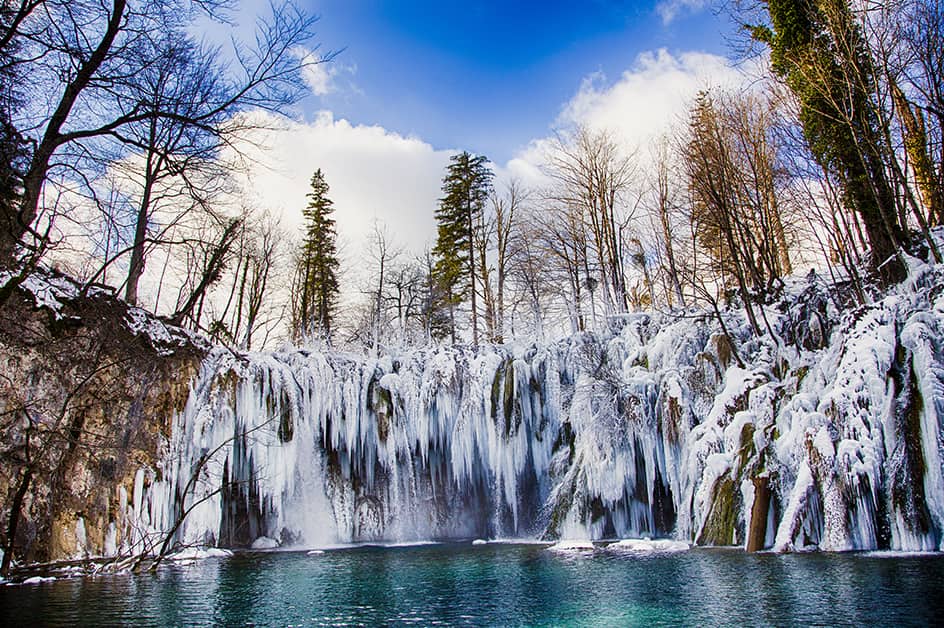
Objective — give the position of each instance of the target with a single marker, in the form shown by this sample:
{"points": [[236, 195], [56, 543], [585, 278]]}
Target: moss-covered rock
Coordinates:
{"points": [[721, 525]]}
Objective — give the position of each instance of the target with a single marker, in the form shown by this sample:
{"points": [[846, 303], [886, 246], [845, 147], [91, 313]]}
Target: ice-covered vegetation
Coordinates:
{"points": [[652, 430]]}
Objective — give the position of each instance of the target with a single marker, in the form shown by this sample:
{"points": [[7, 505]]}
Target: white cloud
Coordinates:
{"points": [[318, 77], [668, 10], [649, 97], [373, 174], [319, 73], [648, 101]]}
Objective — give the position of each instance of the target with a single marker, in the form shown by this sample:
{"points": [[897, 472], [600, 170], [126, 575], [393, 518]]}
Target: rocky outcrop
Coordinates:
{"points": [[88, 389]]}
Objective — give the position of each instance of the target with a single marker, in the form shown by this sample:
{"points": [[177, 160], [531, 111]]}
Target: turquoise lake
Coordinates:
{"points": [[498, 585]]}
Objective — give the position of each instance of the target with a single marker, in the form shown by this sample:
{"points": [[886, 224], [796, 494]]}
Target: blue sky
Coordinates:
{"points": [[487, 76]]}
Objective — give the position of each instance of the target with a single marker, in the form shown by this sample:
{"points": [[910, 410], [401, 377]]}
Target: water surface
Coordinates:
{"points": [[498, 584]]}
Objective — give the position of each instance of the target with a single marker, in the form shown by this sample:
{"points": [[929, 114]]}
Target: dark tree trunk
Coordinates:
{"points": [[757, 535], [17, 223], [15, 508]]}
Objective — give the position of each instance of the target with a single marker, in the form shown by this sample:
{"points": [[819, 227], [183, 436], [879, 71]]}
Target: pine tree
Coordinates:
{"points": [[316, 286], [466, 187]]}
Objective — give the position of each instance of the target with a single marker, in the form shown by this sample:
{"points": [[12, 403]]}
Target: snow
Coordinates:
{"points": [[264, 543], [39, 580], [596, 436], [572, 545], [140, 322], [51, 291], [44, 295], [479, 542], [197, 553], [164, 338], [649, 546]]}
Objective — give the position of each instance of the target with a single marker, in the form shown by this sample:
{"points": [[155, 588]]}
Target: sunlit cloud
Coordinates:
{"points": [[648, 101]]}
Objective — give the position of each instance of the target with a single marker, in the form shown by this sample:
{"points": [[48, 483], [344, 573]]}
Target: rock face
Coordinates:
{"points": [[88, 387], [654, 430]]}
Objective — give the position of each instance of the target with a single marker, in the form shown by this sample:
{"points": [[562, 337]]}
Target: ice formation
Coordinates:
{"points": [[665, 427]]}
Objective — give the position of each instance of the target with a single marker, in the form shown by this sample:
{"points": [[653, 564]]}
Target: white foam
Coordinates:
{"points": [[897, 554], [196, 553], [405, 544]]}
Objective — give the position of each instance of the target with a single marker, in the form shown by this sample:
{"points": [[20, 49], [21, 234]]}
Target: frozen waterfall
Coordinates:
{"points": [[831, 423]]}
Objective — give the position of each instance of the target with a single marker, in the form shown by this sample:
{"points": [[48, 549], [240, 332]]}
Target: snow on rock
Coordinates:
{"points": [[53, 292], [50, 292], [164, 337], [197, 553], [649, 546], [264, 543], [572, 545], [39, 579]]}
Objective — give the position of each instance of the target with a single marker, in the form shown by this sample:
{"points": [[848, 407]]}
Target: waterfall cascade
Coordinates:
{"points": [[824, 431]]}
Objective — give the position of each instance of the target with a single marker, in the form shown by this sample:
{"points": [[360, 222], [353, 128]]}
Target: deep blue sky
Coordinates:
{"points": [[486, 76]]}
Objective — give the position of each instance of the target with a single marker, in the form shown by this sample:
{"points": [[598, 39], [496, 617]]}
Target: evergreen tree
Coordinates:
{"points": [[466, 188], [819, 50], [316, 286]]}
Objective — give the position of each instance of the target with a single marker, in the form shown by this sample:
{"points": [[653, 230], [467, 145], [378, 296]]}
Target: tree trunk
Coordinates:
{"points": [[757, 535], [136, 267], [15, 508], [18, 223], [916, 147], [475, 320], [669, 247]]}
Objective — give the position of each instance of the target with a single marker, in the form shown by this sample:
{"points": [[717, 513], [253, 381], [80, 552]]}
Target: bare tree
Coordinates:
{"points": [[529, 269], [506, 208], [663, 210], [381, 257], [251, 304], [207, 258], [403, 297], [736, 206], [592, 176], [123, 75], [563, 238]]}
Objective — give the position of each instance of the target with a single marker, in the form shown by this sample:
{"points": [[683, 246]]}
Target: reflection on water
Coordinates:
{"points": [[498, 584]]}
